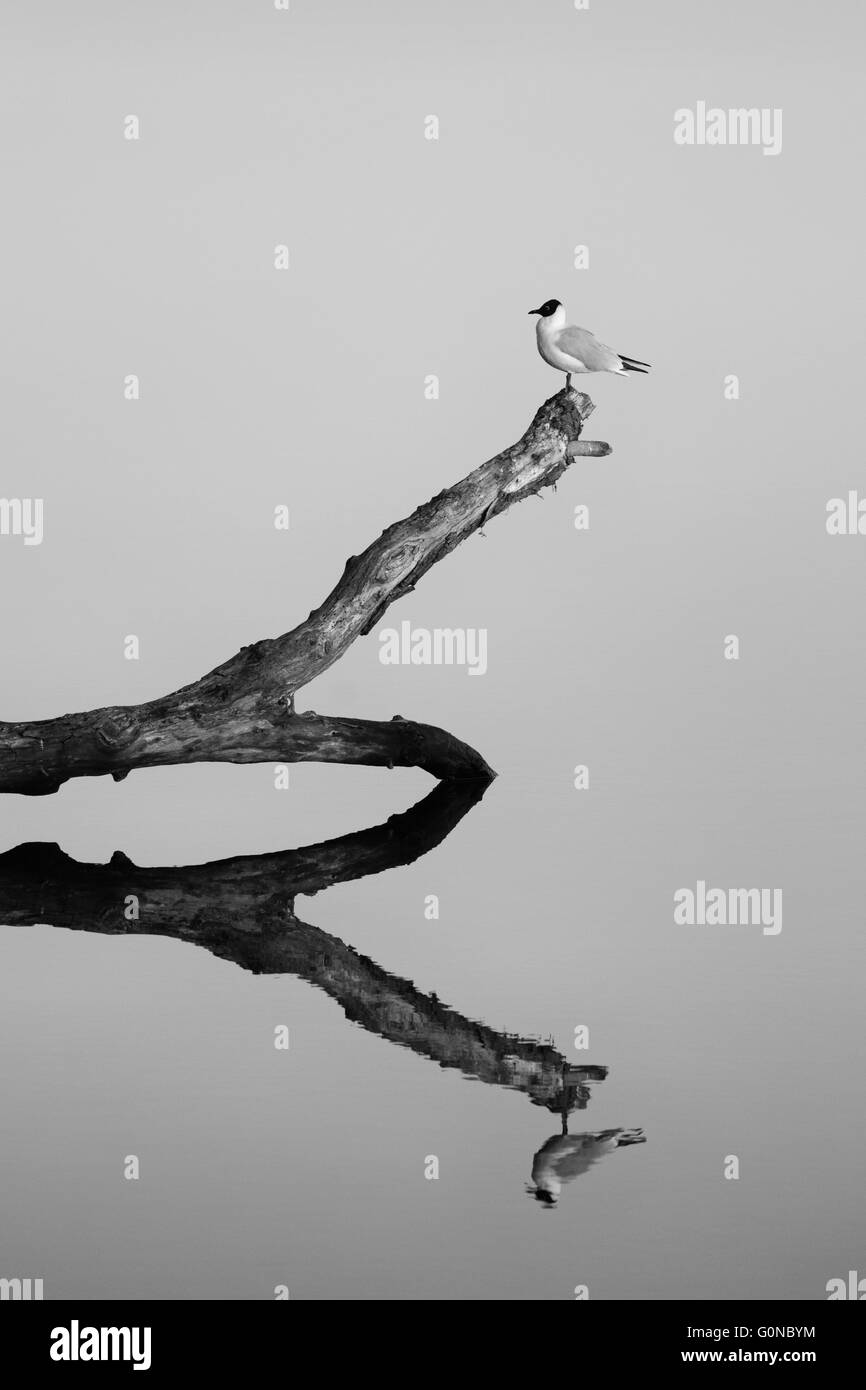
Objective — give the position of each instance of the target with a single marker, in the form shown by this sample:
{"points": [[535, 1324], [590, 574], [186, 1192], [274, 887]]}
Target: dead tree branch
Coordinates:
{"points": [[243, 711]]}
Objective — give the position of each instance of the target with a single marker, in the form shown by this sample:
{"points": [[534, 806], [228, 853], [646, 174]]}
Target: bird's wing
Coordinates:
{"points": [[576, 1152], [581, 1155], [580, 343]]}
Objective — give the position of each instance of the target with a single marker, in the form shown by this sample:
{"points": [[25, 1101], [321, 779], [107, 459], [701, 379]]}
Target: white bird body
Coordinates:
{"points": [[574, 350], [565, 1157]]}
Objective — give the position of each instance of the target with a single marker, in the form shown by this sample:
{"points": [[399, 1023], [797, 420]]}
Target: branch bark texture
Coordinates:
{"points": [[243, 711]]}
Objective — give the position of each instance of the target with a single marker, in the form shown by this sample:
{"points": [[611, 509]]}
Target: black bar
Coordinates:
{"points": [[225, 1338]]}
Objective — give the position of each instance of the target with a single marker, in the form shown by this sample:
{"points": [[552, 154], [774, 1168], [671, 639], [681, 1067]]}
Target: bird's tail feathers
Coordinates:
{"points": [[631, 364]]}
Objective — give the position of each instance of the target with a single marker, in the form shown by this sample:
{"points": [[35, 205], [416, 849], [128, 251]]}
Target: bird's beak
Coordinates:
{"points": [[535, 311]]}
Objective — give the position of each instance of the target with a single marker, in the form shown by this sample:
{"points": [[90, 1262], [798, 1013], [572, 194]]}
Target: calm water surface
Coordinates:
{"points": [[307, 1167]]}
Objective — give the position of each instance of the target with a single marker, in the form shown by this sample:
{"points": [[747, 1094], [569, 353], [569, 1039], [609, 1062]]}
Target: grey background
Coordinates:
{"points": [[412, 257]]}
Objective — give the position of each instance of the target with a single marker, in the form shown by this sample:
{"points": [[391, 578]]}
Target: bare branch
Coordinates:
{"points": [[243, 711]]}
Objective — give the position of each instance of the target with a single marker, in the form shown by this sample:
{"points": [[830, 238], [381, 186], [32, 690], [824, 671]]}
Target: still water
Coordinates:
{"points": [[431, 1130]]}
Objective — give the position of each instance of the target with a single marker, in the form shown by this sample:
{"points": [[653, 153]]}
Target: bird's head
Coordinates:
{"points": [[543, 1195], [548, 308]]}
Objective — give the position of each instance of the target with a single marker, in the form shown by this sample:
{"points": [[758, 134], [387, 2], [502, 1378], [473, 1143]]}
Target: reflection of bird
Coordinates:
{"points": [[570, 349], [564, 1157]]}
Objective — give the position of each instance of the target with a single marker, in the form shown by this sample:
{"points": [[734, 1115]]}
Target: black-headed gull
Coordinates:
{"points": [[564, 1157], [575, 350]]}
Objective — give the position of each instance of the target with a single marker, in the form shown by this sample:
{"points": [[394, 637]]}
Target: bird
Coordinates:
{"points": [[565, 1157], [575, 350]]}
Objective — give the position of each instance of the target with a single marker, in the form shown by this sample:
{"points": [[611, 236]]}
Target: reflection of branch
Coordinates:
{"points": [[242, 910], [39, 883], [243, 711]]}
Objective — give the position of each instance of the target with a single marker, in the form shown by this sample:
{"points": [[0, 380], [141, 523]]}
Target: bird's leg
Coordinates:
{"points": [[568, 381]]}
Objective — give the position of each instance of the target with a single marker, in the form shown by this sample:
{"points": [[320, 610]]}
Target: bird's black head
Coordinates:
{"points": [[549, 307], [547, 1199]]}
